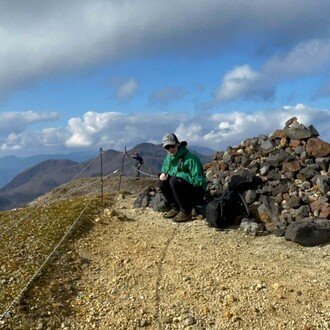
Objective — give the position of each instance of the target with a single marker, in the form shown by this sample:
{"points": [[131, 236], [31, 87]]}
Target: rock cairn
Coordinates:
{"points": [[285, 179]]}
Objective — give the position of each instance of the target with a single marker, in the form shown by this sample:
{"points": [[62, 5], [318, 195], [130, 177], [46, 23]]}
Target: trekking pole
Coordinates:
{"points": [[121, 170], [101, 157]]}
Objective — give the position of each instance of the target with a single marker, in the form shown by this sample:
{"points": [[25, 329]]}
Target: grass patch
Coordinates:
{"points": [[26, 246]]}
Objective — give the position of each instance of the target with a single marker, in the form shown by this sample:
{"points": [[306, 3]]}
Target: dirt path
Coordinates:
{"points": [[144, 271]]}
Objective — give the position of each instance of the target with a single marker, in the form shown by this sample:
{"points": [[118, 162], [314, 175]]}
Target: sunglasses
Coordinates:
{"points": [[170, 146]]}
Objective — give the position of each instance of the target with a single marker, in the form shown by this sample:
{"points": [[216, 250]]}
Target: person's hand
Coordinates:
{"points": [[163, 177]]}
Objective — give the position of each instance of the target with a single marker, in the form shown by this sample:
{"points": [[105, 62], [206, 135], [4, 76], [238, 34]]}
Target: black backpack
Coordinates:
{"points": [[222, 211]]}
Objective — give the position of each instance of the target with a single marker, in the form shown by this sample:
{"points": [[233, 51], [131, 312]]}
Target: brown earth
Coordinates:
{"points": [[134, 269]]}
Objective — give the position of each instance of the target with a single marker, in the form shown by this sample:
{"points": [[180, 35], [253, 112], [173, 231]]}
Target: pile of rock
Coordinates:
{"points": [[284, 176]]}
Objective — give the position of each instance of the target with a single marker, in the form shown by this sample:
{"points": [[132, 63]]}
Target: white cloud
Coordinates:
{"points": [[38, 38], [216, 131], [12, 142], [115, 130], [18, 121], [17, 131], [307, 58], [124, 89], [127, 90], [236, 83], [223, 129]]}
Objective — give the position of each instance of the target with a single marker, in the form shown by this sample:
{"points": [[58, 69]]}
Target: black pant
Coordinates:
{"points": [[180, 194], [137, 166]]}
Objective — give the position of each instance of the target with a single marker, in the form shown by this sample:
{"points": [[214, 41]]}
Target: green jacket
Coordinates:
{"points": [[190, 169]]}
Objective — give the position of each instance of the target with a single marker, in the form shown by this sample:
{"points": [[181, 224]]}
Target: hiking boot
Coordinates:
{"points": [[182, 217], [170, 214]]}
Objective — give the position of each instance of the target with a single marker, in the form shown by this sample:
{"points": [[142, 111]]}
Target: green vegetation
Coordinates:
{"points": [[34, 233]]}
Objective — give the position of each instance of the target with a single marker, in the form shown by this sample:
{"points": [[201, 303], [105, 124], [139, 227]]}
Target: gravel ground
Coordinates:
{"points": [[133, 269], [145, 271]]}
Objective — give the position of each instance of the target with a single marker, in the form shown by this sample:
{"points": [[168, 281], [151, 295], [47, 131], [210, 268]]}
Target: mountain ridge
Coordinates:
{"points": [[11, 166], [49, 174]]}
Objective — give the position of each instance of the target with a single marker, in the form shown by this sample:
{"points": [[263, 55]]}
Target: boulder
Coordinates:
{"points": [[321, 208], [293, 166], [267, 212], [297, 132], [278, 134], [144, 198], [293, 202], [323, 181], [249, 226], [292, 120], [243, 180], [267, 147], [302, 212], [309, 232], [294, 143], [307, 172], [318, 148], [313, 130], [278, 158], [159, 203], [250, 196], [323, 163]]}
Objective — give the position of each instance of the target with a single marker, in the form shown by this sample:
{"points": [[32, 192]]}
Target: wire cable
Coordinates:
{"points": [[142, 172], [43, 264], [36, 238], [147, 174], [48, 202]]}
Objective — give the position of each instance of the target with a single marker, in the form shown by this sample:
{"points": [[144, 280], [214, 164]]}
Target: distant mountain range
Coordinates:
{"points": [[51, 173], [10, 166], [202, 150]]}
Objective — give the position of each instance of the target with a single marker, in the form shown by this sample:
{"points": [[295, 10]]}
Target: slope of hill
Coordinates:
{"points": [[49, 174], [36, 181], [126, 268], [5, 203], [10, 166]]}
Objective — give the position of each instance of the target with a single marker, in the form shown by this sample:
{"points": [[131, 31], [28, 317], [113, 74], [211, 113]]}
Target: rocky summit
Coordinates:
{"points": [[124, 267], [284, 178]]}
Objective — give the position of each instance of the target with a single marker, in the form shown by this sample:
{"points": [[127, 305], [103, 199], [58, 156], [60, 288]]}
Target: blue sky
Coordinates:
{"points": [[79, 75]]}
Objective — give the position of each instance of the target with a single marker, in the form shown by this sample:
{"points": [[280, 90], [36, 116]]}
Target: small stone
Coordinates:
{"points": [[167, 320], [8, 315], [189, 321], [293, 166], [264, 170], [205, 310], [227, 314], [143, 323], [39, 325], [230, 299]]}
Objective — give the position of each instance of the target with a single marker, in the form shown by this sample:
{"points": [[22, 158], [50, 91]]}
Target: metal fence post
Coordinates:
{"points": [[101, 158]]}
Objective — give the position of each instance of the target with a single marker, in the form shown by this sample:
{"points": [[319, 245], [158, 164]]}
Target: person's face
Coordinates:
{"points": [[172, 149]]}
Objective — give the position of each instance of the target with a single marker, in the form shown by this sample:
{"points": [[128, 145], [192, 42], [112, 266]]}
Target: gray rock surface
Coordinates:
{"points": [[287, 177], [309, 232]]}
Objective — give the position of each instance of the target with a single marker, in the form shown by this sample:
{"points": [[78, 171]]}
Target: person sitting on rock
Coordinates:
{"points": [[182, 180]]}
